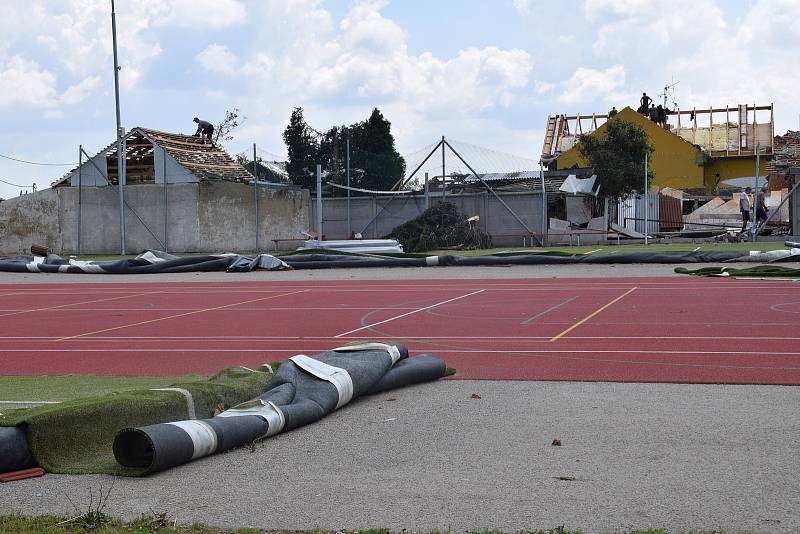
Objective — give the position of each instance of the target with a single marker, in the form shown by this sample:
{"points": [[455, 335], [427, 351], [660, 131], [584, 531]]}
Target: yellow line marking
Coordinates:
{"points": [[78, 303], [178, 315], [576, 325]]}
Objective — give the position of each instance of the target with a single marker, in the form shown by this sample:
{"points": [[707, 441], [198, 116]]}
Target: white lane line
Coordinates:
{"points": [[695, 250], [504, 339], [548, 310], [410, 313], [453, 351]]}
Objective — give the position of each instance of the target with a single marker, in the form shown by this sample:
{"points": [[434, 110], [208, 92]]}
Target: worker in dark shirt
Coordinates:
{"points": [[645, 101], [661, 115], [653, 113], [613, 112], [204, 129]]}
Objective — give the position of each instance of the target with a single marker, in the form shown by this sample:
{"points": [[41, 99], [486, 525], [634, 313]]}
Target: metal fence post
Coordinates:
{"points": [[444, 179], [427, 195], [80, 190], [255, 191], [349, 224], [646, 207], [319, 202], [753, 219], [545, 225], [166, 203]]}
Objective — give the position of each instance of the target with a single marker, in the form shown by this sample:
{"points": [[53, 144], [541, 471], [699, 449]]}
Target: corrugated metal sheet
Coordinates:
{"points": [[670, 213]]}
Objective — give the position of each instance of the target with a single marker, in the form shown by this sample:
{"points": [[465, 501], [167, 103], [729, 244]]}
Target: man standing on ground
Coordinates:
{"points": [[744, 207], [761, 208], [205, 130]]}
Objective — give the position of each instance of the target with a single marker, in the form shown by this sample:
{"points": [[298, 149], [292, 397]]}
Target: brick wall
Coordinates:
{"points": [[787, 152]]}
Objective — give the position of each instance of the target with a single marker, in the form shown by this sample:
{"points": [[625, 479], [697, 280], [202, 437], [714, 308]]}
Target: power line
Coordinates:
{"points": [[15, 185], [36, 162]]}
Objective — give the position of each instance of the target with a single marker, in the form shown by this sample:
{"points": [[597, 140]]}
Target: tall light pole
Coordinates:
{"points": [[120, 155]]}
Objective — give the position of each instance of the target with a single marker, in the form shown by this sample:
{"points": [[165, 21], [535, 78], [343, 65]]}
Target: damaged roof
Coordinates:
{"points": [[205, 160]]}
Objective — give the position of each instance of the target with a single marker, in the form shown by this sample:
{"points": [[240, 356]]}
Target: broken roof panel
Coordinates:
{"points": [[203, 159]]}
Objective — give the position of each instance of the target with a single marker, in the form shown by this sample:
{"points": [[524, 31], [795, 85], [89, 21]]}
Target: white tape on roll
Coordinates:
{"points": [[393, 351], [203, 437], [335, 375], [267, 411]]}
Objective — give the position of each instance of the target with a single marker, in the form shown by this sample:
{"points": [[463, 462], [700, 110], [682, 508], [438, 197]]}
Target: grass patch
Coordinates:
{"points": [[76, 435], [69, 387], [155, 523], [610, 249]]}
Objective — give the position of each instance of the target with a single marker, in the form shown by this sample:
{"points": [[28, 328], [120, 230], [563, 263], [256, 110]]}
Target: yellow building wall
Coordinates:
{"points": [[732, 167], [673, 161]]}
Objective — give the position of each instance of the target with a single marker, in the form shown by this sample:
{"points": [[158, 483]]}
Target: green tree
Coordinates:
{"points": [[374, 161], [377, 163], [617, 157], [303, 149]]}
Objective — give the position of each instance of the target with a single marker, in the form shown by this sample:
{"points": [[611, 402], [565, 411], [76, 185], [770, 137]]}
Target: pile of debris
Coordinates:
{"points": [[726, 214], [441, 226]]}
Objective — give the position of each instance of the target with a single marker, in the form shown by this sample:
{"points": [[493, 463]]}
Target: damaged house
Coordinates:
{"points": [[699, 155], [181, 194]]}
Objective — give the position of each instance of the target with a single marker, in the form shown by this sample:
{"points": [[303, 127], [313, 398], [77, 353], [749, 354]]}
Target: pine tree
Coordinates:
{"points": [[303, 149]]}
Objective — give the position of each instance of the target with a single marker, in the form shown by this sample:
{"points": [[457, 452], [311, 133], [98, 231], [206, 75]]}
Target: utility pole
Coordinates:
{"points": [[120, 155]]}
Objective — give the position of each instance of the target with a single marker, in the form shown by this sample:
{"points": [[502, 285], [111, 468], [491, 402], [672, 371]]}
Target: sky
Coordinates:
{"points": [[487, 73]]}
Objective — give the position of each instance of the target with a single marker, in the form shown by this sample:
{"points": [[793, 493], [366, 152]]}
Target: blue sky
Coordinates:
{"points": [[483, 72]]}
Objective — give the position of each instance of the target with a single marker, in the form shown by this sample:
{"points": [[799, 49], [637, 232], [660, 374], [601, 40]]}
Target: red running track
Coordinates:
{"points": [[693, 330]]}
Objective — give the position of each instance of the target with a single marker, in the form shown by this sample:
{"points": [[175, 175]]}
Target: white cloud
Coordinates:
{"points": [[25, 83], [218, 59], [212, 14], [718, 60], [589, 85], [76, 93], [522, 7], [368, 59]]}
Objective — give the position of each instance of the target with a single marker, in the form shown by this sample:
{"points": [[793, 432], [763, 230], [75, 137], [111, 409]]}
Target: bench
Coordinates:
{"points": [[576, 232]]}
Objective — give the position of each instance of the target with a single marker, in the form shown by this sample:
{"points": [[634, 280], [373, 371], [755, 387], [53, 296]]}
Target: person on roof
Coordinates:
{"points": [[645, 101], [661, 115], [613, 112], [205, 130], [653, 113]]}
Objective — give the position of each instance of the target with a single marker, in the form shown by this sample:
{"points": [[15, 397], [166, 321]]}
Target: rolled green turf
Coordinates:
{"points": [[76, 436], [759, 271]]}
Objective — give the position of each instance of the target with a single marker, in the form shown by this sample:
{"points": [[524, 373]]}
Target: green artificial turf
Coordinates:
{"points": [[76, 436], [68, 387], [611, 249], [759, 271]]}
